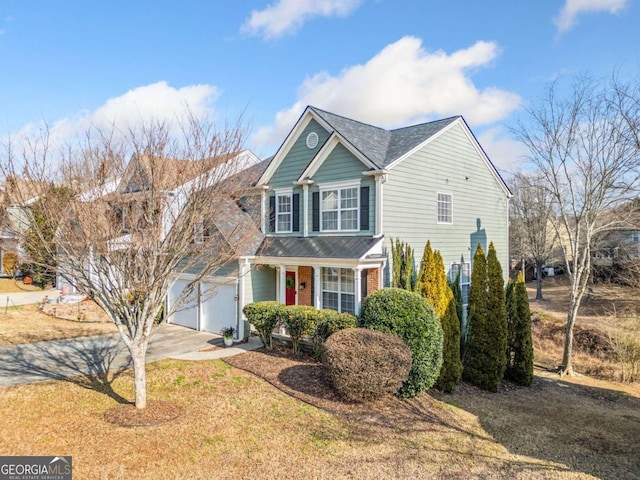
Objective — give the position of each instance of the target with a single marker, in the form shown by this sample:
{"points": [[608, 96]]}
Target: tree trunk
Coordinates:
{"points": [[138, 357], [567, 365], [538, 280]]}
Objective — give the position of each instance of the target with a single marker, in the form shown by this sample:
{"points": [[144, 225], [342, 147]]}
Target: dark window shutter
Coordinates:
{"points": [[363, 283], [272, 213], [296, 212], [364, 208], [315, 206]]}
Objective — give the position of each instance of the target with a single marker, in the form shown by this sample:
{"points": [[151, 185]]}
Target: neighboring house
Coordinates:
{"points": [[13, 217], [338, 190]]}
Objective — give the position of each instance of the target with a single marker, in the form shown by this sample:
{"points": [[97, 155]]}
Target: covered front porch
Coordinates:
{"points": [[324, 272]]}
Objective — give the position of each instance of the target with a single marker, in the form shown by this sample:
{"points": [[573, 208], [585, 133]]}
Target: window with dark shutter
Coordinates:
{"points": [[364, 208], [272, 213], [315, 207]]}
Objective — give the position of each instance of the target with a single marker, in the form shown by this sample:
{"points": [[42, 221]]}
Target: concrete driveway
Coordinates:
{"points": [[88, 359]]}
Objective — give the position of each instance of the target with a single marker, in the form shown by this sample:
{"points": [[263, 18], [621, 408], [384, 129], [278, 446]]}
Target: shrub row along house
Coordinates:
{"points": [[332, 198]]}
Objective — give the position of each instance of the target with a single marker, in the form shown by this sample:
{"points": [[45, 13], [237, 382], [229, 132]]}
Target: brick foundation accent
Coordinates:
{"points": [[305, 274], [373, 280]]}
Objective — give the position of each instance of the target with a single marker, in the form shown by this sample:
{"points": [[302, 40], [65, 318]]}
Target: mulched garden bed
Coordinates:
{"points": [[305, 379]]}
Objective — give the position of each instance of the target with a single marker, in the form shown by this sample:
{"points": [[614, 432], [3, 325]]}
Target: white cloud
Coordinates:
{"points": [[400, 85], [139, 107], [572, 8], [287, 16], [506, 153]]}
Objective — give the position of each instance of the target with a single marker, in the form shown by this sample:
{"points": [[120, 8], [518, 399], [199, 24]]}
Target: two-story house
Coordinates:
{"points": [[338, 190]]}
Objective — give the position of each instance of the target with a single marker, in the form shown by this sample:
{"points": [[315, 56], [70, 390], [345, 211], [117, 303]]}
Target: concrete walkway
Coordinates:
{"points": [[87, 360]]}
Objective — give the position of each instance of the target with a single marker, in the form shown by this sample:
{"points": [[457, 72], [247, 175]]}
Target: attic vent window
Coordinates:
{"points": [[312, 140]]}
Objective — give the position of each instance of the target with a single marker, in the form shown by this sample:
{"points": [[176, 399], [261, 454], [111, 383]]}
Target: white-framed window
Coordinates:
{"points": [[445, 208], [338, 289], [284, 212], [340, 208], [635, 236]]}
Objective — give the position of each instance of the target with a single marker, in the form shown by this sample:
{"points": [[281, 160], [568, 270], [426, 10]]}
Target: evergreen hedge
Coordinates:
{"points": [[407, 314], [485, 360], [520, 345], [451, 371]]}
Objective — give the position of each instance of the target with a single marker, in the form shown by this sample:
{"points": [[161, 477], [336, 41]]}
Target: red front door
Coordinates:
{"points": [[290, 294]]}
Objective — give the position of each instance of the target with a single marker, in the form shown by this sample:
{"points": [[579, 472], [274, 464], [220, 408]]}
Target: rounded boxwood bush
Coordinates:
{"points": [[300, 320], [264, 316], [330, 322], [408, 315], [365, 364]]}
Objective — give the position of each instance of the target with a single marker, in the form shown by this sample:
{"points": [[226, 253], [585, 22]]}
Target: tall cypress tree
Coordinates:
{"points": [[485, 359], [520, 345], [425, 284], [451, 370], [402, 263]]}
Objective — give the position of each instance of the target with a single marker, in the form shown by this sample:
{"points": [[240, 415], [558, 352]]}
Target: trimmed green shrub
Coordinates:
{"points": [[451, 370], [365, 364], [485, 359], [300, 320], [408, 315], [329, 322], [519, 344], [264, 316]]}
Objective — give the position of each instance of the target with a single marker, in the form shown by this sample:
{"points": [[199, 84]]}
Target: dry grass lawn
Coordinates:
{"points": [[27, 324], [282, 421], [9, 285], [235, 425]]}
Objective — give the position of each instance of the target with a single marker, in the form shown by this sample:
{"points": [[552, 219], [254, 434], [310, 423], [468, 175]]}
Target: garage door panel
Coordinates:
{"points": [[187, 313], [218, 306]]}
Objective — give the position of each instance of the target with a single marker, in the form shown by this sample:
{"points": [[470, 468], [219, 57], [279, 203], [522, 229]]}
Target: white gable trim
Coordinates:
{"points": [[326, 150], [286, 146], [472, 139]]}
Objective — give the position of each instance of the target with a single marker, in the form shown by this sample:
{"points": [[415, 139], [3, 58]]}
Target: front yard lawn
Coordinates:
{"points": [[236, 425], [27, 324]]}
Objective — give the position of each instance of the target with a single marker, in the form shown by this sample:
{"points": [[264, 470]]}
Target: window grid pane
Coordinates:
{"points": [[340, 209], [338, 289], [283, 213], [445, 201]]}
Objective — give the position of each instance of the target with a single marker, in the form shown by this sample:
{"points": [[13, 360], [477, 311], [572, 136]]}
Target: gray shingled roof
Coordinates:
{"points": [[317, 247], [381, 146]]}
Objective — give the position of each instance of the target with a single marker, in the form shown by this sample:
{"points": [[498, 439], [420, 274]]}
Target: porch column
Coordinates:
{"points": [[282, 285], [244, 268], [357, 278], [317, 287], [305, 210]]}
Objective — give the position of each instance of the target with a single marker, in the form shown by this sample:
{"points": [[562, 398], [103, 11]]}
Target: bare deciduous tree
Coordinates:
{"points": [[582, 147], [130, 227], [531, 233]]}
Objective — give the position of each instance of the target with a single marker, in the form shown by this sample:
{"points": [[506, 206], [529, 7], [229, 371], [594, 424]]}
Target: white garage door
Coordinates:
{"points": [[187, 313], [218, 306]]}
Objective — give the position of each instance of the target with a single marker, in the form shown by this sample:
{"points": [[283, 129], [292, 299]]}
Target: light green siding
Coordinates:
{"points": [[341, 166], [449, 164], [259, 284], [298, 157]]}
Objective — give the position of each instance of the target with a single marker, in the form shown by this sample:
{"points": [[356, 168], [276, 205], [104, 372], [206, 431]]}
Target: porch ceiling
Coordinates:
{"points": [[318, 247]]}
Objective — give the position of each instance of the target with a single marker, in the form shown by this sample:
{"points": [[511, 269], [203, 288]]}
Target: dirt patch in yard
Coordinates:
{"points": [[10, 285]]}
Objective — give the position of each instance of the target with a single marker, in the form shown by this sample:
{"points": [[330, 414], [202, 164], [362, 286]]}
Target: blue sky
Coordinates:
{"points": [[388, 63]]}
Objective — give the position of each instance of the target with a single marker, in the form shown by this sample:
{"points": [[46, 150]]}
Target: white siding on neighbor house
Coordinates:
{"points": [[449, 164]]}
